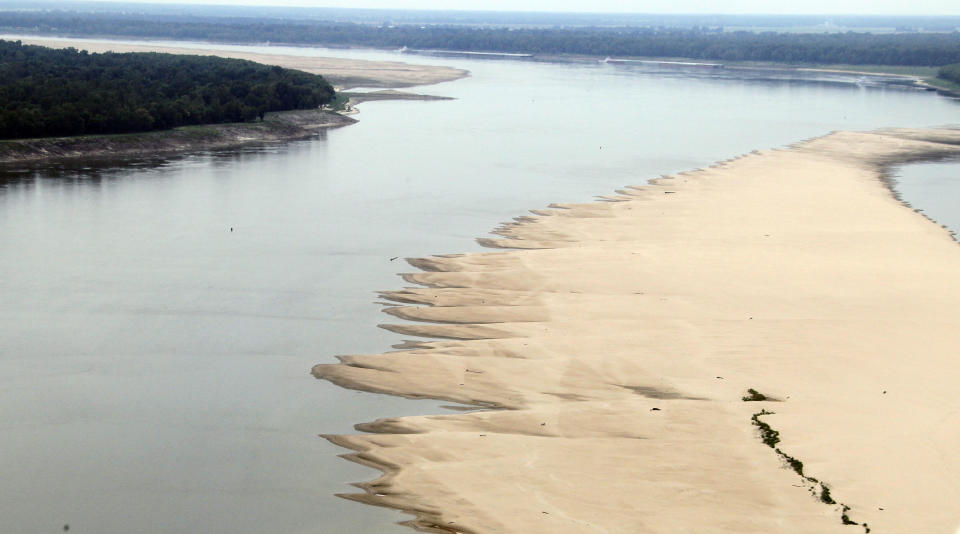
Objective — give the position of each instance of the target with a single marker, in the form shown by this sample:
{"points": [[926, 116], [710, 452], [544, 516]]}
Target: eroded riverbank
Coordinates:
{"points": [[277, 126]]}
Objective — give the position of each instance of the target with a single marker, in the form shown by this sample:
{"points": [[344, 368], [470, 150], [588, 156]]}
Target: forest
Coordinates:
{"points": [[950, 73], [49, 92], [487, 18], [703, 43]]}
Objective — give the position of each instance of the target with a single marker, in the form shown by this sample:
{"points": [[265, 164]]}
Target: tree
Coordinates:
{"points": [[45, 92]]}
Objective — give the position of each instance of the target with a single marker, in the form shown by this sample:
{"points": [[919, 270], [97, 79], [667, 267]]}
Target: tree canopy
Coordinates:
{"points": [[707, 43], [950, 73], [48, 92]]}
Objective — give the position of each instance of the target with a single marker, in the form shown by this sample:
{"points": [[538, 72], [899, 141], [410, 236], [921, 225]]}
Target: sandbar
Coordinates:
{"points": [[613, 344]]}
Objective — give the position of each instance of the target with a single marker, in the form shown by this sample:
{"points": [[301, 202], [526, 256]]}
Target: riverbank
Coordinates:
{"points": [[942, 87], [920, 78], [622, 337], [340, 72], [276, 126], [289, 125], [347, 73]]}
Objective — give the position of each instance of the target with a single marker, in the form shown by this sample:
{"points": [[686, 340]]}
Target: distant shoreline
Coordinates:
{"points": [[347, 73], [916, 75], [341, 72]]}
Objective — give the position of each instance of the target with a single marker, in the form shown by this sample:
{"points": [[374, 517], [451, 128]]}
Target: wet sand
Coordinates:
{"points": [[620, 337], [342, 73]]}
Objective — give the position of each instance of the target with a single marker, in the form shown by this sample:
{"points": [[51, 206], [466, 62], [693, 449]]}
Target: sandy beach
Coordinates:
{"points": [[620, 337], [342, 73]]}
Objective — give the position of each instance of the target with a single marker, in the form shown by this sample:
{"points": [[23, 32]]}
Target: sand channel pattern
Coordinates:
{"points": [[614, 341]]}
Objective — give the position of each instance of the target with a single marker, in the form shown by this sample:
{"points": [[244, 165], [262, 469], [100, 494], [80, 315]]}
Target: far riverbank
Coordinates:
{"points": [[348, 73], [342, 73]]}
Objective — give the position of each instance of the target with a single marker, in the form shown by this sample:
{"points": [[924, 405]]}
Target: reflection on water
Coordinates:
{"points": [[104, 167], [154, 370], [160, 316]]}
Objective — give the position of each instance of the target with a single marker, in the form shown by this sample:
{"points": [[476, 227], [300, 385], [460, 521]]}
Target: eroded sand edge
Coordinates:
{"points": [[619, 336]]}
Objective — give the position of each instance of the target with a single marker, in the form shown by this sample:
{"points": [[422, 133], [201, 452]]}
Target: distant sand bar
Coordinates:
{"points": [[342, 73], [620, 337]]}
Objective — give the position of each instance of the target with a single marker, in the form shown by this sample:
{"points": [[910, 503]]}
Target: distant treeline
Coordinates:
{"points": [[950, 73], [914, 49], [514, 19], [47, 92]]}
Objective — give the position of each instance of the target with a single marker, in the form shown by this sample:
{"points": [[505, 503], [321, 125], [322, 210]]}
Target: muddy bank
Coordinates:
{"points": [[278, 126]]}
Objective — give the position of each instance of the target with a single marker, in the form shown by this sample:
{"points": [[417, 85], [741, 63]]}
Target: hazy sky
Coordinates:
{"points": [[873, 7]]}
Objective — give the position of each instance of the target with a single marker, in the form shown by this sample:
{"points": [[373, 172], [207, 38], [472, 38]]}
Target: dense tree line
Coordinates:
{"points": [[917, 49], [950, 73], [515, 19], [47, 92]]}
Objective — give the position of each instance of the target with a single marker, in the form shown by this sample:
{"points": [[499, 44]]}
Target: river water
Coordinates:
{"points": [[160, 317], [932, 188]]}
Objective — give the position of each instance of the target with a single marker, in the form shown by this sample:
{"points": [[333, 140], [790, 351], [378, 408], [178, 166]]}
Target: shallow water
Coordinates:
{"points": [[154, 364], [933, 188]]}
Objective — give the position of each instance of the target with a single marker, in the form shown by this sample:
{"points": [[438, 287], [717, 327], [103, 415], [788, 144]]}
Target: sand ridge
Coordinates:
{"points": [[619, 337]]}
